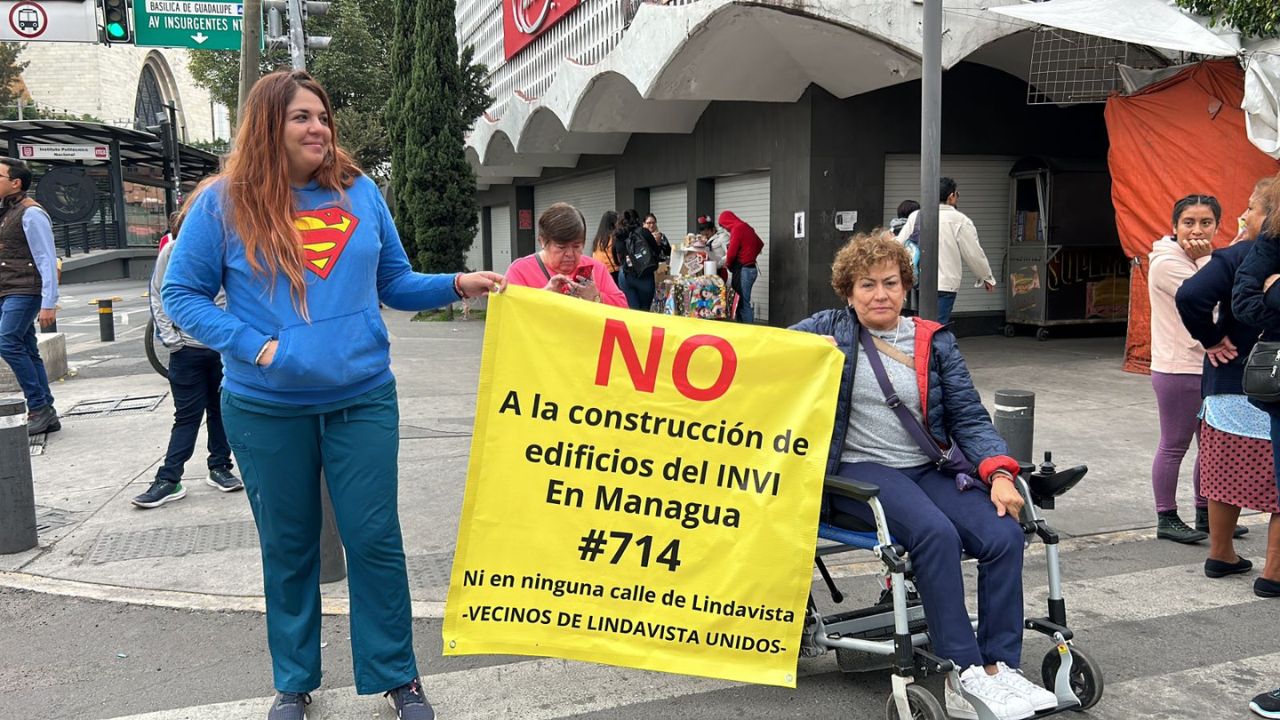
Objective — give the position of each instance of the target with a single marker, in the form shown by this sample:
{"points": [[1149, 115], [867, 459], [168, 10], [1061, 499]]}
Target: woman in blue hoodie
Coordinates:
{"points": [[305, 248]]}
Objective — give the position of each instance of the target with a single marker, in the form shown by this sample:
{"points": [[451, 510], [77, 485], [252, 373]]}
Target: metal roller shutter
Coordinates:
{"points": [[670, 204], [747, 196], [983, 182], [474, 259], [592, 194], [500, 220]]}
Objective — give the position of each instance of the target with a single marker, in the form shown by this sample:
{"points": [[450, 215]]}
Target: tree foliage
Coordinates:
{"points": [[10, 73], [355, 70], [432, 182], [1253, 18], [11, 89]]}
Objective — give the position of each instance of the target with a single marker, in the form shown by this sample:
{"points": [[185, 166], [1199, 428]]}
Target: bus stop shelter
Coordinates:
{"points": [[104, 187]]}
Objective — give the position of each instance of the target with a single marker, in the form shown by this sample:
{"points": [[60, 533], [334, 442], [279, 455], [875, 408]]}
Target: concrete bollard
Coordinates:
{"points": [[106, 321], [333, 564], [17, 493], [1016, 421]]}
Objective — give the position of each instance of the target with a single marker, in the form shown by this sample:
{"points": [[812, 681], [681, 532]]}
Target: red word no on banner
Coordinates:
{"points": [[645, 377]]}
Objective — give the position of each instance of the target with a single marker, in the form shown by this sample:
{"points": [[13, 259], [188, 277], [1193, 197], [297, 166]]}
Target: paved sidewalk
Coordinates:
{"points": [[201, 552]]}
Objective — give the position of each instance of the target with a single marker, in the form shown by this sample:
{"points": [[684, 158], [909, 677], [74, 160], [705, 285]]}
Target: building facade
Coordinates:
{"points": [[791, 114], [122, 85]]}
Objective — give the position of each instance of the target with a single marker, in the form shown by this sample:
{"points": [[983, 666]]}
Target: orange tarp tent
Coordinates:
{"points": [[1180, 136]]}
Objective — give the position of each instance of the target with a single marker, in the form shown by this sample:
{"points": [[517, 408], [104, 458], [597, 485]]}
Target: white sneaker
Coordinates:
{"points": [[1039, 698], [1003, 702]]}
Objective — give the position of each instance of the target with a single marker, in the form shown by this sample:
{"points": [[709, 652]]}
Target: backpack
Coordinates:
{"points": [[639, 258], [912, 244]]}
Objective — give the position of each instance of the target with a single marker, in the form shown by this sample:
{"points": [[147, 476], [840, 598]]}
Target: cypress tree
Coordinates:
{"points": [[433, 185]]}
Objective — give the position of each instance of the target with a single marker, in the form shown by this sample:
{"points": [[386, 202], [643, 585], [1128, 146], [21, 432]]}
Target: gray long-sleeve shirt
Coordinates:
{"points": [[875, 433], [171, 335]]}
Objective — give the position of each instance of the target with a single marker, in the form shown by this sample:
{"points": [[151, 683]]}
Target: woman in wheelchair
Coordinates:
{"points": [[936, 508]]}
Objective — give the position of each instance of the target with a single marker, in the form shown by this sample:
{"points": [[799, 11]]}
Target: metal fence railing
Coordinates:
{"points": [[84, 237]]}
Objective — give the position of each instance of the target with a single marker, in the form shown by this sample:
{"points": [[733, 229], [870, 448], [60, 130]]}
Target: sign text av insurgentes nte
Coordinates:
{"points": [[186, 24]]}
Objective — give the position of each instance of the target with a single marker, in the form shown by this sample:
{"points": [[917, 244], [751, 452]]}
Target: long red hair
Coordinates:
{"points": [[259, 202]]}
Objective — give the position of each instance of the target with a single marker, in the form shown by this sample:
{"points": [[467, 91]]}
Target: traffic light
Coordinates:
{"points": [[117, 26], [310, 7], [296, 38], [164, 134]]}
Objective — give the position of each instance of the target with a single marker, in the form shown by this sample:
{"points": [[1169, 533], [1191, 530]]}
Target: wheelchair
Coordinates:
{"points": [[893, 633]]}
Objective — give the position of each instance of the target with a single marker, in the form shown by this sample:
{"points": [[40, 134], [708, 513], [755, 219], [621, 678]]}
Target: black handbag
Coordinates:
{"points": [[1262, 372]]}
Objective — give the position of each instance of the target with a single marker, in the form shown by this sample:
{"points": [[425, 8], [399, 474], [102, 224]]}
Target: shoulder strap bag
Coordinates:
{"points": [[542, 266], [949, 460]]}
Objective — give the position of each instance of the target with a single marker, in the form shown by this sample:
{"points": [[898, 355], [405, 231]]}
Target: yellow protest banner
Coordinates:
{"points": [[643, 490]]}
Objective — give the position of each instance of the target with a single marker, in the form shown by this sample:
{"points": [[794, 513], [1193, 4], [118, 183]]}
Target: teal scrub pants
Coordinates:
{"points": [[281, 450]]}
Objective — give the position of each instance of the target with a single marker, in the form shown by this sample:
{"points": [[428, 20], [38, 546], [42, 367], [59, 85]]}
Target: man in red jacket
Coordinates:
{"points": [[744, 247]]}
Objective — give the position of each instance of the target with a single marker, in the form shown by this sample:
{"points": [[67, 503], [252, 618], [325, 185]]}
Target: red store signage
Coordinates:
{"points": [[524, 20]]}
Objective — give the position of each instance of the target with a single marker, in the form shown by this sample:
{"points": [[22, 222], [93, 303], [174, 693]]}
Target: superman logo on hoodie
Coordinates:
{"points": [[325, 233]]}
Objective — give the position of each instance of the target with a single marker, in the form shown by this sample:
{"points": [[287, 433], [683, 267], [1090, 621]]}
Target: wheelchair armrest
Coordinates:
{"points": [[1057, 483], [855, 489]]}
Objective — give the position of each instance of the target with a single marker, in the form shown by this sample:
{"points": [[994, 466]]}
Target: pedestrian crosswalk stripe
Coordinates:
{"points": [[1129, 596], [1220, 691], [533, 690], [544, 689]]}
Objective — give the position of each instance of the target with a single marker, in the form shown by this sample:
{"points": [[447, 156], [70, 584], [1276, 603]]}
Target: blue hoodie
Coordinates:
{"points": [[353, 259]]}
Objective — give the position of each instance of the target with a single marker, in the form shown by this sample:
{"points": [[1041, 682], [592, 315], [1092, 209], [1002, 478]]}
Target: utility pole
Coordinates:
{"points": [[250, 52], [296, 38], [297, 41], [930, 155]]}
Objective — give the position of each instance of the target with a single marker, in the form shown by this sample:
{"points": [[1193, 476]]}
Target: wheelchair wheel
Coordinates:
{"points": [[923, 705], [1086, 678]]}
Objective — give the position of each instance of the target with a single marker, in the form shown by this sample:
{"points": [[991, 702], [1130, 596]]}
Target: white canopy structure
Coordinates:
{"points": [[1160, 24]]}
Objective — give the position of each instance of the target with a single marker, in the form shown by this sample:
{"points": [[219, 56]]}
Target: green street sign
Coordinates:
{"points": [[187, 24]]}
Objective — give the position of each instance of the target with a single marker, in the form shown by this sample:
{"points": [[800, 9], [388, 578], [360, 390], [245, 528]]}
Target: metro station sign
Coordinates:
{"points": [[524, 20], [30, 151]]}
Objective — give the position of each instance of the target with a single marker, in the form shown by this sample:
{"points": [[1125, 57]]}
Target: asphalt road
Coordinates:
{"points": [[78, 319], [1171, 644]]}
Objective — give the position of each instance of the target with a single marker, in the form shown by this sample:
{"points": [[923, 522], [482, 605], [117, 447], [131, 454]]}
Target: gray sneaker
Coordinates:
{"points": [[224, 480], [410, 702], [160, 492], [289, 706], [1170, 527]]}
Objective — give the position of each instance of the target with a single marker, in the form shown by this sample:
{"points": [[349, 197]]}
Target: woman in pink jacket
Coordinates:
{"points": [[1177, 359], [560, 265]]}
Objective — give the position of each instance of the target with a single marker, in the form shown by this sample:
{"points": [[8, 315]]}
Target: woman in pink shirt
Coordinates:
{"points": [[1177, 360], [560, 265]]}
